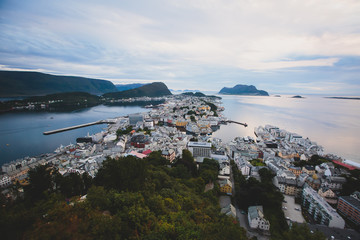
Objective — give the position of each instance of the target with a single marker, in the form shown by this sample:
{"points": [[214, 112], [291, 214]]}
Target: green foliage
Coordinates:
{"points": [[40, 179], [266, 175], [352, 183], [132, 199], [191, 112], [209, 170], [126, 173], [257, 162], [188, 161], [251, 192], [125, 131], [73, 184], [156, 159], [313, 161]]}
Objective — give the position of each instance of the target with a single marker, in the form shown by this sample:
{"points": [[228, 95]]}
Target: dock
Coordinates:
{"points": [[230, 121], [108, 121]]}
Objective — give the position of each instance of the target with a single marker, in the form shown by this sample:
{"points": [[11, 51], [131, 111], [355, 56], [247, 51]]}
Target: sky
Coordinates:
{"points": [[281, 46]]}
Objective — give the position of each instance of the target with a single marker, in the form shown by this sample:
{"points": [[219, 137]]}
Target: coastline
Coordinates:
{"points": [[350, 162]]}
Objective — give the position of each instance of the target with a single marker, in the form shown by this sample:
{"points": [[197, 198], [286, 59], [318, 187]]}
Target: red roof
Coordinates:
{"points": [[344, 165], [147, 152]]}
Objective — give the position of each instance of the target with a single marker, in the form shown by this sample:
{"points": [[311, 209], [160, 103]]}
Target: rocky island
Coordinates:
{"points": [[240, 89]]}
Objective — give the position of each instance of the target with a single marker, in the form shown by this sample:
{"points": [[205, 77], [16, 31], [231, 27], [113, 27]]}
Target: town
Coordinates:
{"points": [[310, 181]]}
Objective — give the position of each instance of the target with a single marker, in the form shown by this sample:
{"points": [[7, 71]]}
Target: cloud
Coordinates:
{"points": [[174, 40]]}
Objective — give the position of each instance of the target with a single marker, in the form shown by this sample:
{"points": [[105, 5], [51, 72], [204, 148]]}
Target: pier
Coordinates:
{"points": [[108, 121], [230, 121]]}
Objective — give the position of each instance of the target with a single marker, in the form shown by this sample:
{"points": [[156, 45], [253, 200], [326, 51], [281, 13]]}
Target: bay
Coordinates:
{"points": [[21, 133], [332, 123]]}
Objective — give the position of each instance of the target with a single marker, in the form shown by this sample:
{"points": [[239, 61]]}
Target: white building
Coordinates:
{"points": [[244, 166], [256, 218], [5, 181], [229, 210], [200, 150], [320, 210]]}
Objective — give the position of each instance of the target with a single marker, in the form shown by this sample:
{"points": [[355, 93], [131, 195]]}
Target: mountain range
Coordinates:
{"points": [[155, 89], [123, 87], [17, 83]]}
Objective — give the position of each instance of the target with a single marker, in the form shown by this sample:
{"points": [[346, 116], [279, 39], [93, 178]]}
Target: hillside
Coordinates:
{"points": [[130, 198], [124, 87], [16, 83], [156, 89], [243, 90]]}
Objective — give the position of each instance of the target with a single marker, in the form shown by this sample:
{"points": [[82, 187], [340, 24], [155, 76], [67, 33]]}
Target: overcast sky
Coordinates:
{"points": [[281, 46]]}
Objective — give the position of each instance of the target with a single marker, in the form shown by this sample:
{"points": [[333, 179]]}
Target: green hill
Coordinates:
{"points": [[243, 90], [16, 83], [155, 89], [197, 94], [123, 87]]}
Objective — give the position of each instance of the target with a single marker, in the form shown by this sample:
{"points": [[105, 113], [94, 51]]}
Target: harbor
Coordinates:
{"points": [[108, 121]]}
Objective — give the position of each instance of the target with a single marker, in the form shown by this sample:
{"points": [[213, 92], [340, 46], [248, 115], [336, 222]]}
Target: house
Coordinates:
{"points": [[286, 186], [229, 210], [224, 171], [286, 174], [334, 183], [328, 195], [226, 186], [256, 218], [310, 170], [313, 182], [295, 170], [244, 166], [169, 154]]}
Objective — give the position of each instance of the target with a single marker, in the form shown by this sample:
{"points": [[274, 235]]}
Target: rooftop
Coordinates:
{"points": [[199, 144], [353, 201]]}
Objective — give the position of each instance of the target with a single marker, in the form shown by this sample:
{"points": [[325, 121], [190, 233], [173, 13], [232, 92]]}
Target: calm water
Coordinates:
{"points": [[21, 134], [332, 123]]}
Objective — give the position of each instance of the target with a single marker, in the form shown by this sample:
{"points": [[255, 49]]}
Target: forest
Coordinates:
{"points": [[130, 198]]}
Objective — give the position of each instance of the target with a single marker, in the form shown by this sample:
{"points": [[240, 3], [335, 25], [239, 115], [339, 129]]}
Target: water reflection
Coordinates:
{"points": [[21, 134], [333, 123]]}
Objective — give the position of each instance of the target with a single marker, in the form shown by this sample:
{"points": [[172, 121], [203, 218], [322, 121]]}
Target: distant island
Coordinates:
{"points": [[199, 94], [297, 96], [240, 89], [17, 83], [349, 98], [156, 89]]}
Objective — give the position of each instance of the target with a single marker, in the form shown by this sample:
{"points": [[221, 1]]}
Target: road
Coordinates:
{"points": [[242, 218]]}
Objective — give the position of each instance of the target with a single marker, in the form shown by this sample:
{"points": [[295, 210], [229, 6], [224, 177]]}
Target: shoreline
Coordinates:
{"points": [[350, 162]]}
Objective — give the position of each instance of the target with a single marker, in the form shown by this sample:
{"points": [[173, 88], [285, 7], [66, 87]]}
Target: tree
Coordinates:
{"points": [[188, 161], [156, 159], [40, 182], [126, 173], [266, 175]]}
